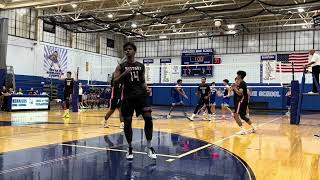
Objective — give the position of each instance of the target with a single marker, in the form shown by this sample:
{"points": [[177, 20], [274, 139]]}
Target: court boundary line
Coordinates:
{"points": [[221, 140], [45, 162], [116, 150]]}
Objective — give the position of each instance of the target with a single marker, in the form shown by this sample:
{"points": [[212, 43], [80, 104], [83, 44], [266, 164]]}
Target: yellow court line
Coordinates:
{"points": [[221, 140]]}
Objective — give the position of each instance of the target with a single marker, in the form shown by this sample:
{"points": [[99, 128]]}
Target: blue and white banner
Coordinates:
{"points": [[148, 61], [29, 103], [268, 68], [165, 60], [268, 57], [148, 71], [55, 62], [165, 70]]}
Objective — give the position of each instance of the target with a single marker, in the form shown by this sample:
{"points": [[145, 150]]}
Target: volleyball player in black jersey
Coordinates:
{"points": [[242, 100], [115, 102], [204, 93], [68, 90], [135, 93]]}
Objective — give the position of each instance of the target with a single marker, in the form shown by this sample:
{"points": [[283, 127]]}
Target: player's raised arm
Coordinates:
{"points": [[118, 75]]}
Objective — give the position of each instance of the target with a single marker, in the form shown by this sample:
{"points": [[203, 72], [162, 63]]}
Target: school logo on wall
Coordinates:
{"points": [[55, 61]]}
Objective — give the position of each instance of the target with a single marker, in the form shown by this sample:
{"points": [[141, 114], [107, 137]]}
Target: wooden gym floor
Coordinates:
{"points": [[37, 141]]}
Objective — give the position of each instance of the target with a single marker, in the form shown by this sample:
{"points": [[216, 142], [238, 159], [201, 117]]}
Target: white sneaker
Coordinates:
{"points": [[204, 114], [168, 116], [205, 118], [129, 155], [151, 153], [311, 92], [210, 117], [241, 132], [191, 118], [121, 125], [254, 129]]}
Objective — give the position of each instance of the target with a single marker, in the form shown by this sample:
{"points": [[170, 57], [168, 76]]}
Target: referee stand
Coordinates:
{"points": [[297, 97]]}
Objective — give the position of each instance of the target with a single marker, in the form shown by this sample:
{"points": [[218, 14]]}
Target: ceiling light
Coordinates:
{"points": [[217, 23], [162, 37], [231, 26], [134, 1], [134, 25], [74, 5], [300, 10], [201, 34], [304, 27], [178, 21], [110, 16], [231, 32], [174, 30]]}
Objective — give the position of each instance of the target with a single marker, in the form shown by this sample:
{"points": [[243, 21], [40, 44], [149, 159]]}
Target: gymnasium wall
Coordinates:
{"points": [[231, 63], [245, 49], [27, 58]]}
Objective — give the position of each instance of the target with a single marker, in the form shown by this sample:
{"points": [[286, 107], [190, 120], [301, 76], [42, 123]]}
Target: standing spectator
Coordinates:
{"points": [[3, 92], [80, 96], [314, 62], [6, 95], [31, 91]]}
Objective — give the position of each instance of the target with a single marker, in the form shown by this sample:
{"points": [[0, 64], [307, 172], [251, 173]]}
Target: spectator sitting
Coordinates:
{"points": [[31, 91], [20, 92]]}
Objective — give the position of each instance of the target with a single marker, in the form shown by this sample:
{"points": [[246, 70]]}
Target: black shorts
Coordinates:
{"points": [[203, 101], [241, 107], [80, 98], [134, 104], [115, 104], [66, 96]]}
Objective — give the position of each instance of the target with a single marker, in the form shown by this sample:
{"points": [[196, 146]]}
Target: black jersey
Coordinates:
{"points": [[68, 85], [133, 82], [116, 89], [244, 97], [204, 90]]}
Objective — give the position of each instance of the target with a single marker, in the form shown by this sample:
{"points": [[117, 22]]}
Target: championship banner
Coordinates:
{"points": [[55, 61], [268, 68], [165, 71], [148, 70]]}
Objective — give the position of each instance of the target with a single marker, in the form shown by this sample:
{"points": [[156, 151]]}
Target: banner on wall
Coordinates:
{"points": [[55, 61], [165, 71], [268, 67], [148, 70]]}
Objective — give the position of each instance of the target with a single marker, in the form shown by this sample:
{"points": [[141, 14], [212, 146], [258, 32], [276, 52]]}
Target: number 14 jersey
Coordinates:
{"points": [[133, 82]]}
